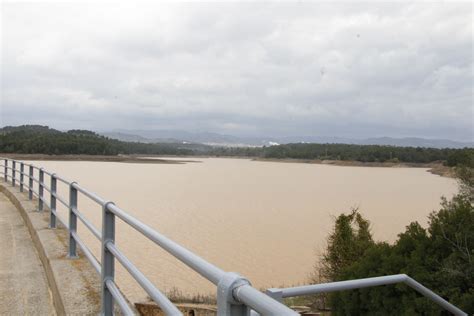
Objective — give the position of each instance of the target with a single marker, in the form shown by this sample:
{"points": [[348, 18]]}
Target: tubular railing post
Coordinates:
{"points": [[72, 220], [5, 169], [52, 216], [108, 260], [13, 172], [40, 190], [22, 169], [30, 184]]}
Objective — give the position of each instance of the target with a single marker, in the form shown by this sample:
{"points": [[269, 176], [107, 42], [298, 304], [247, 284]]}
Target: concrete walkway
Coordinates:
{"points": [[23, 286]]}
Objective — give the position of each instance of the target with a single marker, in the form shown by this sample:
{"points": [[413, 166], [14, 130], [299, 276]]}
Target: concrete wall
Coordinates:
{"points": [[74, 283]]}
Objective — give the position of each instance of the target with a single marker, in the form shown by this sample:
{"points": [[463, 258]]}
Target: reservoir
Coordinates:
{"points": [[267, 221]]}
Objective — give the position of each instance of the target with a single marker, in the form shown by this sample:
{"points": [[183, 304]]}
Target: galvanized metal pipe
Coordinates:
{"points": [[13, 172], [369, 282], [92, 259], [119, 298], [88, 224], [40, 189], [89, 194], [108, 262], [30, 182], [165, 304], [52, 215], [342, 285], [260, 302], [22, 168], [63, 180], [72, 221], [204, 268], [434, 297]]}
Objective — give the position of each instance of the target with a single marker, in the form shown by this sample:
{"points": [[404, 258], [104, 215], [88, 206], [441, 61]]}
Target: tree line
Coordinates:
{"points": [[35, 139], [43, 140], [440, 256]]}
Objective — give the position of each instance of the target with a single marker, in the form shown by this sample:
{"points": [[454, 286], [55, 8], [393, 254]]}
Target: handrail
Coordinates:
{"points": [[363, 283], [234, 292], [206, 269], [235, 295]]}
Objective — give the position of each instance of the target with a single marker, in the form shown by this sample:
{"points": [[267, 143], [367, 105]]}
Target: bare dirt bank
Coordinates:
{"points": [[434, 167], [119, 158]]}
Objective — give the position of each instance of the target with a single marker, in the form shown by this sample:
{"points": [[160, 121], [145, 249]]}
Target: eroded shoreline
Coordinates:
{"points": [[436, 168], [98, 158]]}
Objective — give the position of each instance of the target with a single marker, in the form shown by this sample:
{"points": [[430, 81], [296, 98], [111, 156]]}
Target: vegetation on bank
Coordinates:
{"points": [[441, 257], [35, 139]]}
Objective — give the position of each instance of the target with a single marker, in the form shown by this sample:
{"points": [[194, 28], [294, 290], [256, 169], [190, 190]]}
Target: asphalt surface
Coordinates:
{"points": [[23, 286]]}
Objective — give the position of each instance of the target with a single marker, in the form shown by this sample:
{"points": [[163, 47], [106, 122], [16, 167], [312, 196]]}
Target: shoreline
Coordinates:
{"points": [[436, 168], [97, 158]]}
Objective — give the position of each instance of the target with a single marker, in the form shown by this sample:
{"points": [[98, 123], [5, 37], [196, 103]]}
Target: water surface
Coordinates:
{"points": [[266, 220]]}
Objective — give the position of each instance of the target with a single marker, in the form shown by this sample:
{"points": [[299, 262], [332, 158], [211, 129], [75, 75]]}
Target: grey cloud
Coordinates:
{"points": [[365, 69]]}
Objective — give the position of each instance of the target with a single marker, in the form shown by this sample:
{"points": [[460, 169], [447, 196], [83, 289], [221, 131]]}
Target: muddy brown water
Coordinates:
{"points": [[265, 220]]}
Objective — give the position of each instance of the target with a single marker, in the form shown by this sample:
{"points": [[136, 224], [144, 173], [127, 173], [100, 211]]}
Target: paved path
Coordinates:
{"points": [[23, 286]]}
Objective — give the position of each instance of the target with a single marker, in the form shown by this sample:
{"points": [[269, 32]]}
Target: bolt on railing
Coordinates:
{"points": [[235, 295]]}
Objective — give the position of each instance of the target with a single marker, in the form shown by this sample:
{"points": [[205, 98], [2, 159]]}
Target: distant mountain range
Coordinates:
{"points": [[215, 139]]}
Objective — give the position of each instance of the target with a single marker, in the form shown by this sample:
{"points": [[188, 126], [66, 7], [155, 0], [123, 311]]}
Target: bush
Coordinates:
{"points": [[440, 257]]}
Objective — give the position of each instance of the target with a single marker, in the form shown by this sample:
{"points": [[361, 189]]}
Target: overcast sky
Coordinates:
{"points": [[262, 69]]}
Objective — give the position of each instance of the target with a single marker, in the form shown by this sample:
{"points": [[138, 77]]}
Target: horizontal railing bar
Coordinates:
{"points": [[58, 198], [23, 173], [62, 180], [88, 224], [34, 192], [165, 304], [60, 219], [95, 263], [89, 194], [370, 282], [119, 298], [46, 187], [341, 285], [45, 201], [48, 173], [37, 196], [433, 296], [260, 302], [204, 268]]}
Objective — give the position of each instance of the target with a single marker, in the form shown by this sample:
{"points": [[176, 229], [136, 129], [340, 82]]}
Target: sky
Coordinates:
{"points": [[358, 69]]}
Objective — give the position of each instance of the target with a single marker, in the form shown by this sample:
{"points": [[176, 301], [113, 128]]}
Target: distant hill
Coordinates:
{"points": [[28, 128], [417, 142], [215, 139], [35, 139], [179, 136]]}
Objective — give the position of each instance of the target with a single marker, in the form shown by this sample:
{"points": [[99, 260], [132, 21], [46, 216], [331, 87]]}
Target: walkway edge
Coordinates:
{"points": [[46, 242], [53, 287]]}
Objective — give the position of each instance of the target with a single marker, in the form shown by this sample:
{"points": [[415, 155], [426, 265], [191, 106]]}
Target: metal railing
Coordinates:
{"points": [[235, 295]]}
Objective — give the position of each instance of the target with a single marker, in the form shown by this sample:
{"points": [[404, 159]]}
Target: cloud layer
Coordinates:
{"points": [[358, 70]]}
